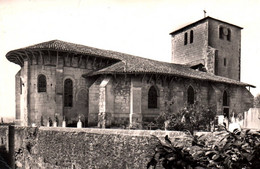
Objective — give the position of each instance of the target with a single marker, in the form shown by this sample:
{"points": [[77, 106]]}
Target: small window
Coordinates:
{"points": [[191, 95], [41, 83], [185, 38], [191, 36], [68, 93], [152, 97], [225, 62]]}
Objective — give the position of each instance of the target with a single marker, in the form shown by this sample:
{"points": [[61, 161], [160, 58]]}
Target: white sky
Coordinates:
{"points": [[138, 27]]}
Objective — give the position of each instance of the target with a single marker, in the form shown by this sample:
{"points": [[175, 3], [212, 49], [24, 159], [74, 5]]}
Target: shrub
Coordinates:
{"points": [[238, 149], [190, 118]]}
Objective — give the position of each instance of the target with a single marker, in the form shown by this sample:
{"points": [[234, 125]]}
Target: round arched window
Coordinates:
{"points": [[152, 97], [191, 95], [68, 93], [42, 84]]}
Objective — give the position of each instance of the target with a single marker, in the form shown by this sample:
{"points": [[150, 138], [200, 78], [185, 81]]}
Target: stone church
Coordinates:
{"points": [[61, 80]]}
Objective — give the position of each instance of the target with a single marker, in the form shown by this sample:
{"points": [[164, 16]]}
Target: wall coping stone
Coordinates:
{"points": [[128, 132], [141, 133]]}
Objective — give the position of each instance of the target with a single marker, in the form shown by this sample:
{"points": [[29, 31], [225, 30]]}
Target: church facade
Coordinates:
{"points": [[61, 80]]}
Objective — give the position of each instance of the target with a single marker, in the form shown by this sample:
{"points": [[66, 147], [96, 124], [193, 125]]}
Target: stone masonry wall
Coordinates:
{"points": [[42, 104], [35, 107], [225, 56], [240, 95], [229, 50], [88, 148], [172, 97], [80, 94], [192, 51], [121, 89], [94, 103]]}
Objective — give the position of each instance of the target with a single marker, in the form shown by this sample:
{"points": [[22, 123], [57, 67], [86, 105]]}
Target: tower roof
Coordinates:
{"points": [[201, 21]]}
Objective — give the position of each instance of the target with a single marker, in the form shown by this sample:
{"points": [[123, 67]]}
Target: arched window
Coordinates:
{"points": [[152, 97], [41, 83], [225, 104], [68, 93], [191, 36], [225, 99], [191, 95]]}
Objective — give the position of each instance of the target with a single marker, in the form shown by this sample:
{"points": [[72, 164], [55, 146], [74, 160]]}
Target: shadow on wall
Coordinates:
{"points": [[3, 152], [3, 163]]}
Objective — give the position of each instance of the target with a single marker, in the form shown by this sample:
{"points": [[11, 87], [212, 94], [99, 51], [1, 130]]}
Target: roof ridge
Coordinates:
{"points": [[199, 21]]}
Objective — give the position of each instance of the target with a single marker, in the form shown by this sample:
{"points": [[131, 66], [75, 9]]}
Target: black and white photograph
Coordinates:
{"points": [[129, 84]]}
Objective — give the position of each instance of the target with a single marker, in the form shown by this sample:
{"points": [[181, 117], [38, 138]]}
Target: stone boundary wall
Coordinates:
{"points": [[85, 148], [72, 148]]}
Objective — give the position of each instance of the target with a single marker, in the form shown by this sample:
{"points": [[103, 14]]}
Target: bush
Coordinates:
{"points": [[238, 149], [190, 118]]}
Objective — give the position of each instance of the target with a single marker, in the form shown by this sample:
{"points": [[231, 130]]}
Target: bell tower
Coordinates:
{"points": [[210, 43]]}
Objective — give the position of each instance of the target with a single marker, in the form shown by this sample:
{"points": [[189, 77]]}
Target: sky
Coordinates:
{"points": [[137, 27]]}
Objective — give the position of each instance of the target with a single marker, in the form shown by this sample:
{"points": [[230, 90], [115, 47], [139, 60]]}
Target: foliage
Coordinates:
{"points": [[171, 156], [257, 101], [192, 117], [238, 149]]}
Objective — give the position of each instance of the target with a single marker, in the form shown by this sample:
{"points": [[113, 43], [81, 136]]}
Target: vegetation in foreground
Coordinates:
{"points": [[236, 150]]}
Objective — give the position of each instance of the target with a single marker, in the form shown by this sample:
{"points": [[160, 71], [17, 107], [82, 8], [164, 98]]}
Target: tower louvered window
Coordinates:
{"points": [[225, 33], [152, 97], [68, 93], [42, 83], [185, 38], [191, 36]]}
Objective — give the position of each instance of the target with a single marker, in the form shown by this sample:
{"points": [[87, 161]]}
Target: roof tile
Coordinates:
{"points": [[127, 63]]}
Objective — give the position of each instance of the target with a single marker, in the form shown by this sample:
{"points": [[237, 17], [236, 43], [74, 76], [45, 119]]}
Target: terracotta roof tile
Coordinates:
{"points": [[126, 63]]}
